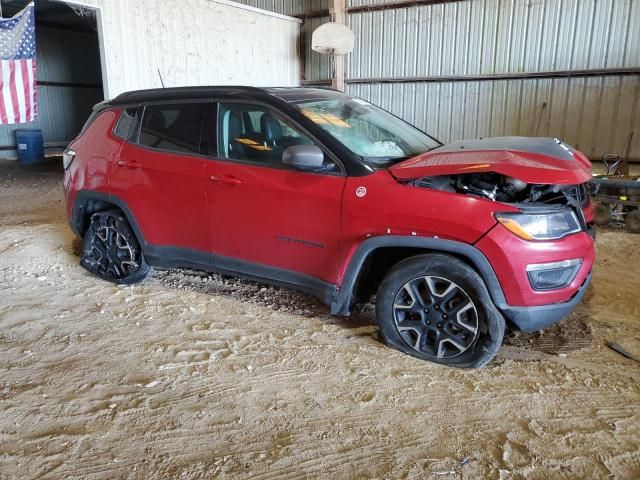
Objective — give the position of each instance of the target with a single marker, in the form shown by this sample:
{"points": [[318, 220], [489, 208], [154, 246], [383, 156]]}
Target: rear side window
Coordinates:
{"points": [[175, 127], [127, 123]]}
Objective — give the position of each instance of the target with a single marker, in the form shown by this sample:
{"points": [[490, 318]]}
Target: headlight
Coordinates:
{"points": [[67, 158], [541, 226]]}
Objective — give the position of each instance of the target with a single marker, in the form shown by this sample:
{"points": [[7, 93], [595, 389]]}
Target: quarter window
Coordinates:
{"points": [[176, 127], [127, 123]]}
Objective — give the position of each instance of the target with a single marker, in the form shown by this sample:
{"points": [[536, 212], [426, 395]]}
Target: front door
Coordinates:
{"points": [[264, 212]]}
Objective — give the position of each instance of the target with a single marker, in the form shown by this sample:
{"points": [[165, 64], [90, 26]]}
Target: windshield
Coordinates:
{"points": [[377, 136]]}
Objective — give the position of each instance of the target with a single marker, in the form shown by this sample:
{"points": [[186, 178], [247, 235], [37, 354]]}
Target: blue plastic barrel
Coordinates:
{"points": [[30, 146]]}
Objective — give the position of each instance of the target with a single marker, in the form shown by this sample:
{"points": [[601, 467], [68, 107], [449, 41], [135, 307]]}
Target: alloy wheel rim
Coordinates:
{"points": [[436, 317], [113, 253]]}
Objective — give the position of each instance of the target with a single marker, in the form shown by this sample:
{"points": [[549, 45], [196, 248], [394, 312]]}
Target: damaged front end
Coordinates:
{"points": [[543, 178], [564, 204], [535, 190]]}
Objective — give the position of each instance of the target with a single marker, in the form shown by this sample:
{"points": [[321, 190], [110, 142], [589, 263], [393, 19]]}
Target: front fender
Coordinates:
{"points": [[475, 257]]}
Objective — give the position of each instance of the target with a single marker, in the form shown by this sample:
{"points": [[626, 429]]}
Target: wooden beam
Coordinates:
{"points": [[338, 14], [595, 72], [377, 7], [399, 4]]}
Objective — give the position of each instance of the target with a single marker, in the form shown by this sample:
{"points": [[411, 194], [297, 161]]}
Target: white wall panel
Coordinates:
{"points": [[195, 42]]}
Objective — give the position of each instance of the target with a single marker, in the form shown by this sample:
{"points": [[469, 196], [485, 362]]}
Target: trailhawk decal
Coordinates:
{"points": [[298, 241]]}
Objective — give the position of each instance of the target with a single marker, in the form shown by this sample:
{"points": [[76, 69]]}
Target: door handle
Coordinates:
{"points": [[128, 164], [228, 179]]}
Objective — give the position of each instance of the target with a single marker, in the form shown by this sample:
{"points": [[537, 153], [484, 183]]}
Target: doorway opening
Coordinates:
{"points": [[69, 72]]}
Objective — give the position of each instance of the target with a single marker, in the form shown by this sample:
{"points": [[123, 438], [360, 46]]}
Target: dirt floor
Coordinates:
{"points": [[189, 375]]}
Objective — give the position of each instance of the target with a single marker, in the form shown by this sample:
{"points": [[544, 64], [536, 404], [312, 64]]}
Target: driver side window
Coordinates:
{"points": [[255, 134]]}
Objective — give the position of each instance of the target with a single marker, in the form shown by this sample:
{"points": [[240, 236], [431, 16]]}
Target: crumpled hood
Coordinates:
{"points": [[532, 160]]}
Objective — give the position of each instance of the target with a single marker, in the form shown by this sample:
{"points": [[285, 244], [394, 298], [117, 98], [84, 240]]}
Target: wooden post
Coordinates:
{"points": [[338, 14]]}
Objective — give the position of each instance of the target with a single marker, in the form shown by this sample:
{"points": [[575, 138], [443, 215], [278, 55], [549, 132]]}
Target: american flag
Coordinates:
{"points": [[18, 67]]}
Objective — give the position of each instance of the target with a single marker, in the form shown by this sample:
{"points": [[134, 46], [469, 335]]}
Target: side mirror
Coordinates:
{"points": [[307, 158]]}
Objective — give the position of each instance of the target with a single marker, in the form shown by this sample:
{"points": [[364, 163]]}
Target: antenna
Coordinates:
{"points": [[161, 81]]}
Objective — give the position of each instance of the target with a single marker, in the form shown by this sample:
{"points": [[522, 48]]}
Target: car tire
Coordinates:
{"points": [[111, 250], [437, 308], [602, 214], [633, 221]]}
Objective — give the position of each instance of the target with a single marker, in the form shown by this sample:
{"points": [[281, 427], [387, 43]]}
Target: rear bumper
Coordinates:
{"points": [[531, 319]]}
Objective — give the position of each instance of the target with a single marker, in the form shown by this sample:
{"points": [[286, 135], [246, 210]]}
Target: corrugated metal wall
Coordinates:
{"points": [[287, 7], [479, 37], [458, 39], [496, 36], [61, 57]]}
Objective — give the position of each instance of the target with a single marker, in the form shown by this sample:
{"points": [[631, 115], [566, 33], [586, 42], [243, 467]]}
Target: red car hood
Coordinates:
{"points": [[532, 160]]}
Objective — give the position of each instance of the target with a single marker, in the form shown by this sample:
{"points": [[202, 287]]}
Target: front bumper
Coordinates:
{"points": [[510, 255], [531, 319]]}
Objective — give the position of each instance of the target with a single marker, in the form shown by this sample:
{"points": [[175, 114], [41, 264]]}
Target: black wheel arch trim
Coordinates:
{"points": [[475, 257], [77, 213]]}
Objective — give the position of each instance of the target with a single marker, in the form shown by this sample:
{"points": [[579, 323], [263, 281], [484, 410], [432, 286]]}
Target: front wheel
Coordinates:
{"points": [[437, 308], [111, 250]]}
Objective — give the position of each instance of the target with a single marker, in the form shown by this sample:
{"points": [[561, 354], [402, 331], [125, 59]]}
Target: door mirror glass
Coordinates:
{"points": [[308, 158]]}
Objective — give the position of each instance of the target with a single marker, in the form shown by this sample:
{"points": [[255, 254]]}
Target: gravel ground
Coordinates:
{"points": [[191, 375]]}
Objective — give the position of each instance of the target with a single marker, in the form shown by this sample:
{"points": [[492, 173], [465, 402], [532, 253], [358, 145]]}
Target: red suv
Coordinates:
{"points": [[324, 192]]}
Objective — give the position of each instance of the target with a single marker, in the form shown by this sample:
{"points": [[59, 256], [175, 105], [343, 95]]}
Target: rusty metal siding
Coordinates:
{"points": [[484, 37]]}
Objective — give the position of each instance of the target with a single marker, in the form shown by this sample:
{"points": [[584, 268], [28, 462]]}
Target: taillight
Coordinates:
{"points": [[67, 158]]}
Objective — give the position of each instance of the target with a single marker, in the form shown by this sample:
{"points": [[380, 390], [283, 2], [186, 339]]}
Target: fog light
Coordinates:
{"points": [[549, 276]]}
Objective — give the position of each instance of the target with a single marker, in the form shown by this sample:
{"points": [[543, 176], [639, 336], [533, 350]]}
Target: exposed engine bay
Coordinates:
{"points": [[500, 188]]}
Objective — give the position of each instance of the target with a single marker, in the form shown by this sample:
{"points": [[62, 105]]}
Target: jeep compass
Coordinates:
{"points": [[324, 192]]}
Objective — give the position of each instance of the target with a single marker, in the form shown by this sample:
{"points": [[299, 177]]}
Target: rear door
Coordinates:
{"points": [[159, 175], [264, 212]]}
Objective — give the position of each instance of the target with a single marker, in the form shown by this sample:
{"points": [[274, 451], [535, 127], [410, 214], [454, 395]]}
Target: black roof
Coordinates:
{"points": [[288, 94]]}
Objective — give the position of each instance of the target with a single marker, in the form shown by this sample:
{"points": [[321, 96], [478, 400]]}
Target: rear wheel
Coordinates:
{"points": [[437, 308], [111, 250], [633, 221], [603, 215]]}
